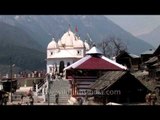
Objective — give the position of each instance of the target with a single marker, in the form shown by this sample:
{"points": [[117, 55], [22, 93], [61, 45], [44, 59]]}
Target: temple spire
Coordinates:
{"points": [[69, 27]]}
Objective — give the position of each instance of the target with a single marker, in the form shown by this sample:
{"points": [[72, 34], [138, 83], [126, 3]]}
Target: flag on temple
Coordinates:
{"points": [[76, 29]]}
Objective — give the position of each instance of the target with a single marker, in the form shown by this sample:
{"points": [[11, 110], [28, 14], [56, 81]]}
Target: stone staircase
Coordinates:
{"points": [[61, 87]]}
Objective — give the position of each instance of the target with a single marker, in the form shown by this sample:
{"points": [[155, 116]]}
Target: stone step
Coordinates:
{"points": [[64, 101], [62, 87], [59, 98], [52, 99]]}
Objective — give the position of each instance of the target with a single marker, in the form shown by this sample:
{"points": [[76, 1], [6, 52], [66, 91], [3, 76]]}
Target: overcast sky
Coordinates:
{"points": [[136, 24]]}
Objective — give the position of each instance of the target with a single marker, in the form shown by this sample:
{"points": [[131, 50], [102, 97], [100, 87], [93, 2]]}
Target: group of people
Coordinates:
{"points": [[31, 99], [80, 100], [151, 98], [30, 102]]}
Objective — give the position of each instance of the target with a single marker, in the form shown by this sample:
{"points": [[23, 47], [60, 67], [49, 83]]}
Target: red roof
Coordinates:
{"points": [[98, 63]]}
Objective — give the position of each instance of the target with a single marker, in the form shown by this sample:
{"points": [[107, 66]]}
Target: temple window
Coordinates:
{"points": [[79, 52], [68, 63]]}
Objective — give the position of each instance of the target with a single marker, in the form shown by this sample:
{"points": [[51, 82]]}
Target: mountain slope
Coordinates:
{"points": [[26, 53], [43, 28], [25, 59], [98, 27], [152, 37], [12, 35], [30, 25]]}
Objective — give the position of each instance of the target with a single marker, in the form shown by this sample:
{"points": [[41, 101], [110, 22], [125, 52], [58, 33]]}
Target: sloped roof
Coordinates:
{"points": [[94, 50], [79, 62], [156, 64], [107, 79], [96, 63], [151, 60], [126, 54], [122, 54], [110, 77]]}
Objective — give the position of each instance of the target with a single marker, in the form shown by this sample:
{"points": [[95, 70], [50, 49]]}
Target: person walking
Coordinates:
{"points": [[31, 100], [148, 98], [153, 98], [80, 101], [57, 98], [5, 98], [22, 98]]}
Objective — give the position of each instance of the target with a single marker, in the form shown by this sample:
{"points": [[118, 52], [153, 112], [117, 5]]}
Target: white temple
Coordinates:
{"points": [[66, 51]]}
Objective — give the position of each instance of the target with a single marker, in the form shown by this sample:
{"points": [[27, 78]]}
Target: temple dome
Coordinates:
{"points": [[67, 39], [52, 44]]}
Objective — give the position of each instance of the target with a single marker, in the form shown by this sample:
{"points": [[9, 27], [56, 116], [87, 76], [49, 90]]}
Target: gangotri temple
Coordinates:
{"points": [[66, 51]]}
